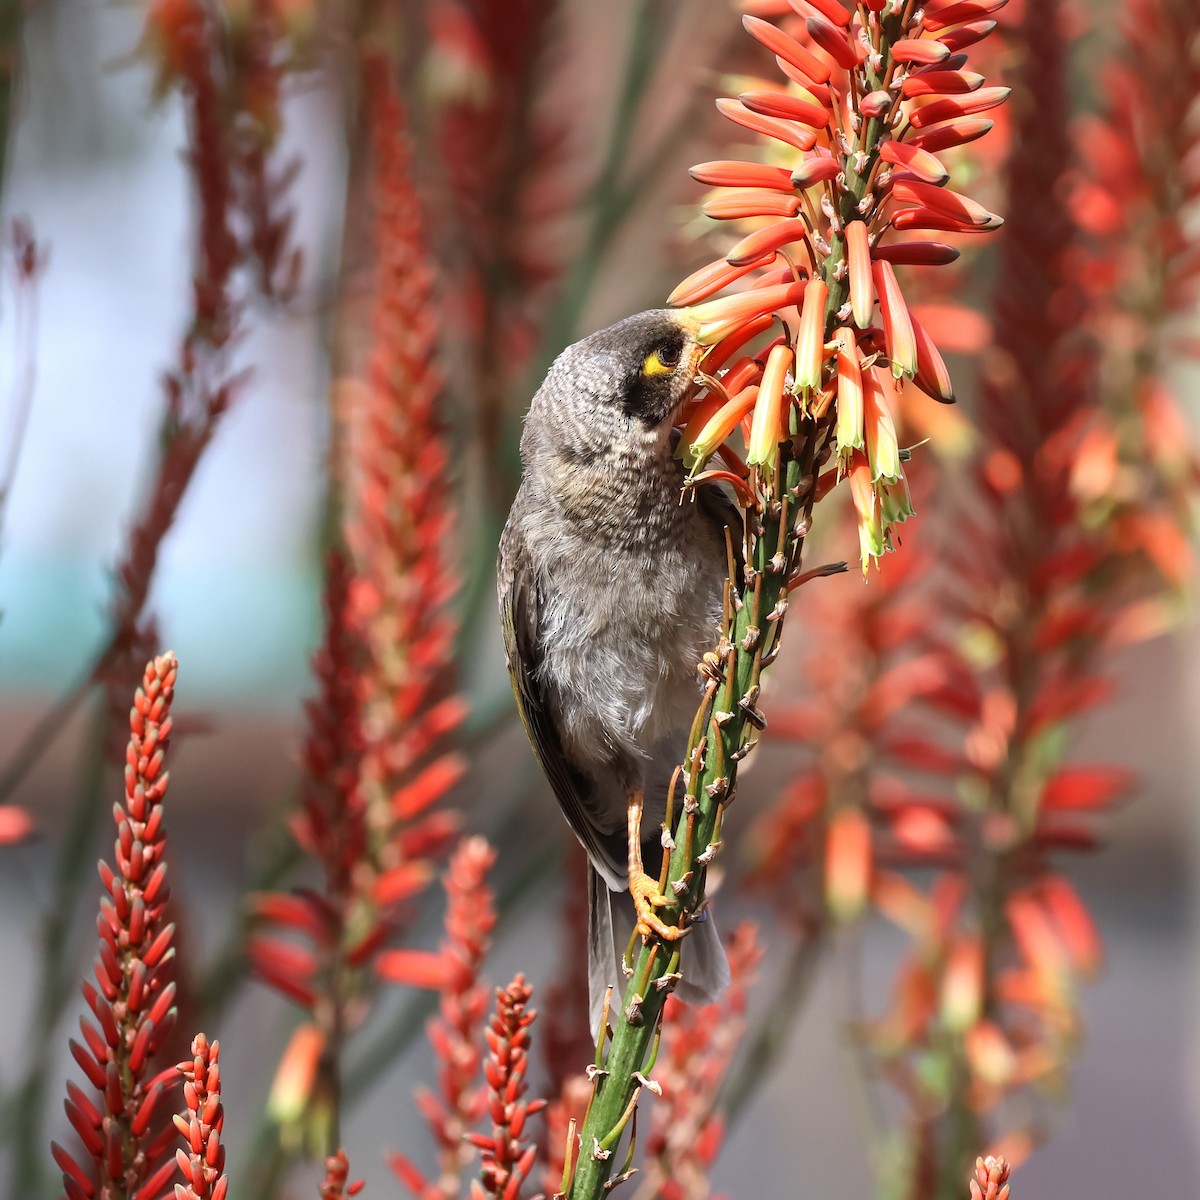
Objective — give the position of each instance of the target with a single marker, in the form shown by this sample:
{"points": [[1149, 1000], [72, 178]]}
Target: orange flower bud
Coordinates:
{"points": [[798, 136], [883, 450], [727, 173], [958, 106], [849, 427], [786, 108], [919, 162], [717, 319], [810, 338], [787, 48], [862, 289], [897, 325], [718, 427], [766, 431]]}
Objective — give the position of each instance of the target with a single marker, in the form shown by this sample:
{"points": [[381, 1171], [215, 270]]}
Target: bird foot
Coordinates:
{"points": [[646, 898]]}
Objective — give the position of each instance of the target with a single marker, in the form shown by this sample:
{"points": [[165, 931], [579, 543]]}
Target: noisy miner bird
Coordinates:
{"points": [[611, 588]]}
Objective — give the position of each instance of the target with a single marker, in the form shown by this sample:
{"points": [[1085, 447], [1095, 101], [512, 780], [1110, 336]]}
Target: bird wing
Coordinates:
{"points": [[520, 609]]}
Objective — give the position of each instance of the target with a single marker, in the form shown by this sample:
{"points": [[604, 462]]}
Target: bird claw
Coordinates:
{"points": [[646, 898]]}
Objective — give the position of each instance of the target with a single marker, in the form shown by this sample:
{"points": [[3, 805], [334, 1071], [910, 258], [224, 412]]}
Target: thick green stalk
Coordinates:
{"points": [[722, 734]]}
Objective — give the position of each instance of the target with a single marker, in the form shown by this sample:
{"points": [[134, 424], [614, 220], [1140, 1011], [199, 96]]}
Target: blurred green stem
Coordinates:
{"points": [[57, 976]]}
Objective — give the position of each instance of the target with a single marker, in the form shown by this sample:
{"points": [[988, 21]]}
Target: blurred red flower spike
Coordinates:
{"points": [[786, 47], [717, 428], [941, 83], [296, 1074], [939, 199], [923, 51], [918, 254], [716, 319], [959, 132], [401, 882], [721, 353], [791, 134], [815, 170], [923, 829], [1036, 939], [428, 786], [760, 246], [834, 42], [830, 9], [962, 984], [784, 107], [862, 286], [1086, 788], [847, 863], [897, 325], [902, 903], [953, 107], [919, 162], [766, 430], [15, 824], [849, 427], [989, 1054], [429, 969], [932, 375], [939, 16], [1074, 924], [736, 206], [810, 336], [967, 35], [732, 173]]}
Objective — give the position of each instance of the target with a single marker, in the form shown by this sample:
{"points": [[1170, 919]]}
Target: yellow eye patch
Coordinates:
{"points": [[662, 361]]}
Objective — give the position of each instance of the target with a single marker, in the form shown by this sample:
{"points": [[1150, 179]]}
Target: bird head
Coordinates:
{"points": [[629, 379]]}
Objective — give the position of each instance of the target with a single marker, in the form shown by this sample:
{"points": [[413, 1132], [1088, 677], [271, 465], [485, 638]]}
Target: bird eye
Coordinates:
{"points": [[663, 360]]}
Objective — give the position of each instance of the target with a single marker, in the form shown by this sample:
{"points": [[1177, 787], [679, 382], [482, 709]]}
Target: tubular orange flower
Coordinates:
{"points": [[783, 131], [833, 41], [716, 320], [920, 163], [790, 50], [897, 324], [849, 428], [718, 427], [883, 450], [862, 287], [728, 173], [786, 108], [709, 280], [923, 51], [766, 431], [810, 337], [959, 106], [759, 247], [959, 132]]}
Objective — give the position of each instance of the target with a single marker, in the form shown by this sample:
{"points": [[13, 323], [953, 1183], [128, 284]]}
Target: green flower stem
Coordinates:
{"points": [[724, 731]]}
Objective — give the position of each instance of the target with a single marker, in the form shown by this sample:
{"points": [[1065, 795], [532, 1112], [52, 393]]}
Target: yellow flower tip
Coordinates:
{"points": [[810, 338]]}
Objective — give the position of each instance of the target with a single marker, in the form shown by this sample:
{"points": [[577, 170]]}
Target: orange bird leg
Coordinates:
{"points": [[643, 889]]}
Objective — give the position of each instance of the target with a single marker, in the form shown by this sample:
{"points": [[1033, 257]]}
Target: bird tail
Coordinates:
{"points": [[611, 920]]}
